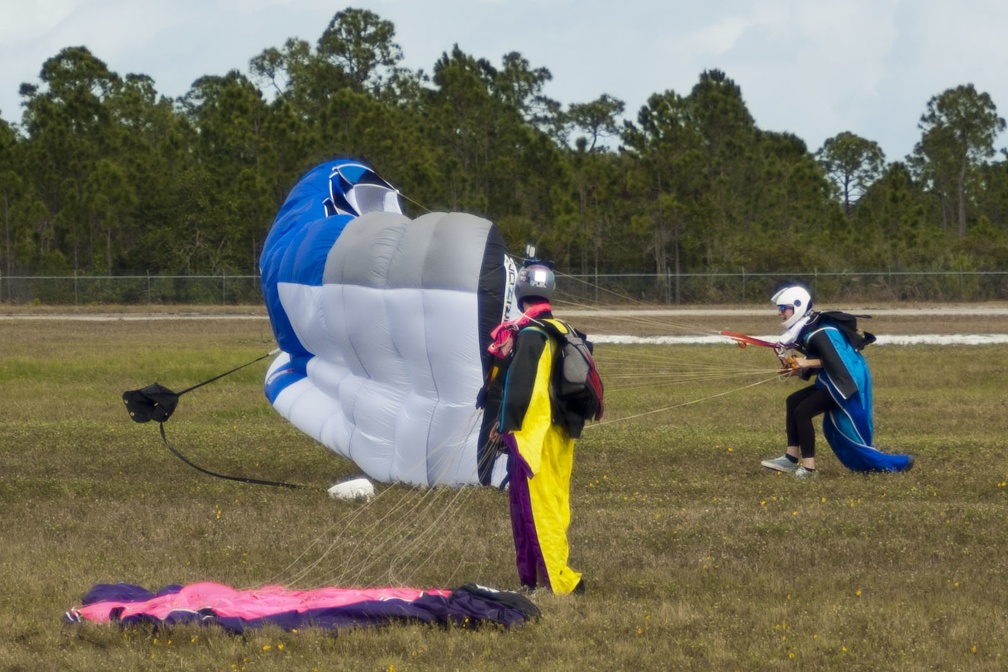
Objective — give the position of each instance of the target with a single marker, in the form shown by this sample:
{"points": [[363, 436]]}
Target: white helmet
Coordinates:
{"points": [[793, 296]]}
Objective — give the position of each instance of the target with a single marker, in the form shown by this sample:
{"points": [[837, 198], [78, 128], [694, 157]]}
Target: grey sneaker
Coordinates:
{"points": [[781, 463], [801, 473]]}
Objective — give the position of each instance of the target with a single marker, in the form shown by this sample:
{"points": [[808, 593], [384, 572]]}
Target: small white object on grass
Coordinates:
{"points": [[357, 488]]}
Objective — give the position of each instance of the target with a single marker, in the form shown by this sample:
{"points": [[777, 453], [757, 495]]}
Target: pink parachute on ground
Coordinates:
{"points": [[237, 610]]}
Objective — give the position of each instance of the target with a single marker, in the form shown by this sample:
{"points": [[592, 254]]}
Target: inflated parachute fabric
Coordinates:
{"points": [[235, 611], [383, 323]]}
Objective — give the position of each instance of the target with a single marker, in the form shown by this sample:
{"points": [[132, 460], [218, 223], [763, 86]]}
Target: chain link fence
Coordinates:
{"points": [[595, 289], [742, 287], [83, 290]]}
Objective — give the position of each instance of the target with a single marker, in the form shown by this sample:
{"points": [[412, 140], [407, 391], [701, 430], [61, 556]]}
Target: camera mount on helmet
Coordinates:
{"points": [[536, 279]]}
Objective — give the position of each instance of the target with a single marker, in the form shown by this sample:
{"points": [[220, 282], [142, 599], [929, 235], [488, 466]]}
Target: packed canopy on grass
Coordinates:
{"points": [[234, 610]]}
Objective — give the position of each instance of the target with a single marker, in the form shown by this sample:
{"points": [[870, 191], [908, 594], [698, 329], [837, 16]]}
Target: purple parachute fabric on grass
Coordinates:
{"points": [[238, 610]]}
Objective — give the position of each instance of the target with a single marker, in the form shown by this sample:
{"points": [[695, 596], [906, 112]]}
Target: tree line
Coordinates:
{"points": [[105, 176]]}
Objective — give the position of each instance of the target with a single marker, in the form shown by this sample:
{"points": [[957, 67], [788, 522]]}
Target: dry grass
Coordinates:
{"points": [[695, 557]]}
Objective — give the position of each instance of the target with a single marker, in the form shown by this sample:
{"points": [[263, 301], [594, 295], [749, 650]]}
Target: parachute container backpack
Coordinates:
{"points": [[576, 386]]}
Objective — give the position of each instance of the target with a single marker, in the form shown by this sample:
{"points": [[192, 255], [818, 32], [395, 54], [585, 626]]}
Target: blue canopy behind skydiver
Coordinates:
{"points": [[830, 345]]}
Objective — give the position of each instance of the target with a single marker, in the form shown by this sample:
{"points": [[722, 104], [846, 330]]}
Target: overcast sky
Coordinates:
{"points": [[814, 68]]}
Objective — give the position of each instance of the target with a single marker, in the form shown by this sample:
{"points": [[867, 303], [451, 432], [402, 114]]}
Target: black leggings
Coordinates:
{"points": [[802, 406]]}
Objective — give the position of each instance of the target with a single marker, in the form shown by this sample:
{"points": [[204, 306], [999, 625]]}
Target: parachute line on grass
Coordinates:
{"points": [[399, 539]]}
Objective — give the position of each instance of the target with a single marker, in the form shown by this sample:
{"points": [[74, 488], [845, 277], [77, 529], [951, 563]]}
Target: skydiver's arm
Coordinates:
{"points": [[520, 379], [804, 367]]}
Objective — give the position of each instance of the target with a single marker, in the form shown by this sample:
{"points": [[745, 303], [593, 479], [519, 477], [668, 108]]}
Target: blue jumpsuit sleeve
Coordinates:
{"points": [[822, 347]]}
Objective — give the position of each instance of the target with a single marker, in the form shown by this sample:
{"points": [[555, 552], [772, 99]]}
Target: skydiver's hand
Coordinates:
{"points": [[481, 397], [805, 363]]}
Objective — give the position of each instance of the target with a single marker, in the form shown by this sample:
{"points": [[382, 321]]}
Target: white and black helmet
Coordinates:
{"points": [[535, 280], [794, 296]]}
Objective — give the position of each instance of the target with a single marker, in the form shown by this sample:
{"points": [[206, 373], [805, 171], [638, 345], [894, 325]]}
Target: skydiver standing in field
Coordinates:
{"points": [[540, 449], [831, 345]]}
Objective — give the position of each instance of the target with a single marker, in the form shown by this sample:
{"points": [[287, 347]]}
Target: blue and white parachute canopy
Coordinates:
{"points": [[383, 322]]}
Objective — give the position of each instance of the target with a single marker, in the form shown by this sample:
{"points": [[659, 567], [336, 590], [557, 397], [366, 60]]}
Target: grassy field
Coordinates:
{"points": [[694, 556]]}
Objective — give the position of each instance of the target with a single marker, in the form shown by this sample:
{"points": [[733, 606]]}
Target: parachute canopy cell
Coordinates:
{"points": [[383, 323]]}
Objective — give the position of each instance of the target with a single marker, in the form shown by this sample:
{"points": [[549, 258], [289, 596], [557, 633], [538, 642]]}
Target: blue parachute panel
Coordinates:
{"points": [[305, 228]]}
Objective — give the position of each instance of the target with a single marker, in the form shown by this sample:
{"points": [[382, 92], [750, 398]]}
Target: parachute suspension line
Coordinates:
{"points": [[279, 578], [674, 406], [665, 322], [369, 528], [416, 203], [633, 361], [448, 449], [637, 364], [657, 382], [380, 533], [300, 574], [625, 369], [680, 325], [415, 550], [395, 529], [419, 549], [622, 298], [644, 370]]}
